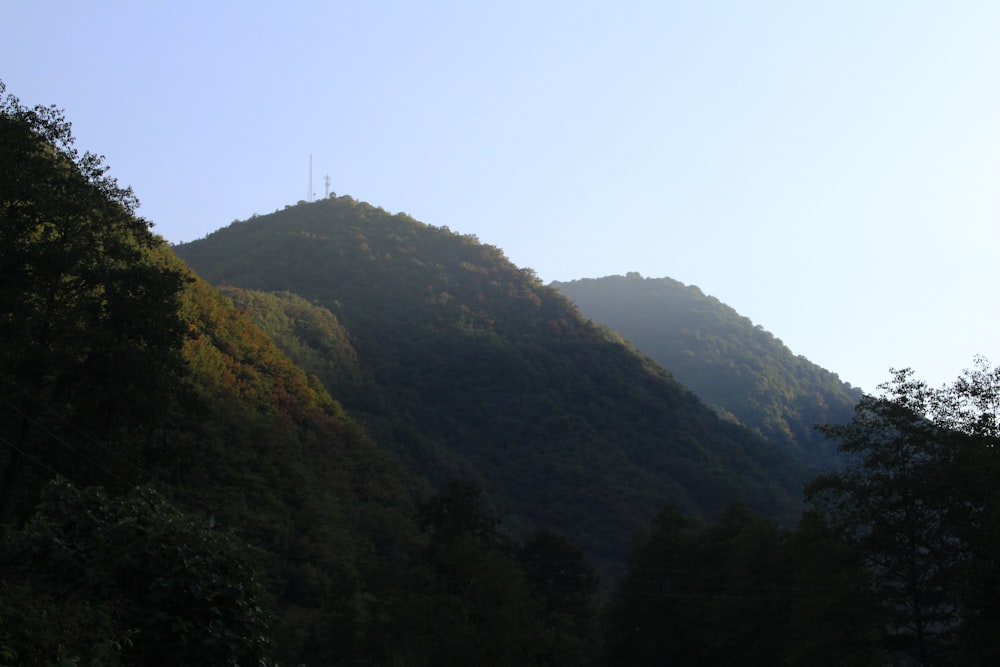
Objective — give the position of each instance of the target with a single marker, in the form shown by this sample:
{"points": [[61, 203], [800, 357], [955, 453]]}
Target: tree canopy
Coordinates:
{"points": [[173, 590], [88, 315], [918, 503]]}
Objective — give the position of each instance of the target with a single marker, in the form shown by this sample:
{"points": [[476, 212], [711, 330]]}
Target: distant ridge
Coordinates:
{"points": [[740, 368]]}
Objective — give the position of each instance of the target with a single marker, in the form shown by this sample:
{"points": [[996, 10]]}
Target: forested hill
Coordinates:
{"points": [[739, 368], [467, 367]]}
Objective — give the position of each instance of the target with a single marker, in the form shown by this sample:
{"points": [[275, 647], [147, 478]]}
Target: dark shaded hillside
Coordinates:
{"points": [[268, 452], [740, 368], [471, 368], [251, 443]]}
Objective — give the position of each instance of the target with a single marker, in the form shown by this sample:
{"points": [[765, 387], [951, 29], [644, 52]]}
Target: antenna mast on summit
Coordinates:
{"points": [[309, 196], [326, 182]]}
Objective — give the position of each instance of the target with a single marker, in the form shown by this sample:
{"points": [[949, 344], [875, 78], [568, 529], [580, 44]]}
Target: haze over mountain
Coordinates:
{"points": [[741, 369], [467, 367]]}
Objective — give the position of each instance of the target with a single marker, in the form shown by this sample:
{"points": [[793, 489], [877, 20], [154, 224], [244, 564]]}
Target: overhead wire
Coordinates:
{"points": [[59, 439], [62, 419], [32, 458]]}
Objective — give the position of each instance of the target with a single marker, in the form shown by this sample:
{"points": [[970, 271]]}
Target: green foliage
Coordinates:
{"points": [[740, 369], [834, 617], [741, 591], [917, 503], [88, 314], [172, 587], [467, 367], [472, 595], [310, 335], [560, 577], [466, 600], [37, 628], [890, 503], [700, 595], [272, 454]]}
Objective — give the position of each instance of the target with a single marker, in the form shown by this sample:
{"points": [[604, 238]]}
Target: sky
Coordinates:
{"points": [[830, 169]]}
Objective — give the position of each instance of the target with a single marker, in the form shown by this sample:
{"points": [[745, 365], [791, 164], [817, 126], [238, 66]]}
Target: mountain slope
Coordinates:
{"points": [[122, 370], [721, 356], [261, 448], [473, 369]]}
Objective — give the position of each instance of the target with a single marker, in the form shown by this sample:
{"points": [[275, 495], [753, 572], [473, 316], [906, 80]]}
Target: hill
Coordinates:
{"points": [[467, 367], [168, 477], [265, 450], [739, 368]]}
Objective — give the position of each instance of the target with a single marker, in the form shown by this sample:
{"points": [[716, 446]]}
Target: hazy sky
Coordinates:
{"points": [[830, 169]]}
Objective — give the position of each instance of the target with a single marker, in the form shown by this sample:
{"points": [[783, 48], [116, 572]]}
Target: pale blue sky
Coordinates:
{"points": [[829, 169]]}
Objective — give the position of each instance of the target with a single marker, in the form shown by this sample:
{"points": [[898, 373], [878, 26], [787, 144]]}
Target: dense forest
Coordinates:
{"points": [[740, 369], [465, 366], [375, 441]]}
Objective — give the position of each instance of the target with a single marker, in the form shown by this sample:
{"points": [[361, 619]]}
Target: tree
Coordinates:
{"points": [[705, 595], [177, 592], [39, 628], [970, 407], [88, 312], [647, 618], [466, 599], [834, 617], [917, 503], [559, 576]]}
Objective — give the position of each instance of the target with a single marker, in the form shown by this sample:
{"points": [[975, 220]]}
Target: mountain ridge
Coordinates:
{"points": [[738, 367], [475, 369]]}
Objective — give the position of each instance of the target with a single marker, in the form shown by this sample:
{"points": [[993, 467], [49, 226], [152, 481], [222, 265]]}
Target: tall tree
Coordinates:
{"points": [[917, 503], [466, 600], [970, 407], [705, 595], [88, 312], [652, 617], [559, 576], [834, 618]]}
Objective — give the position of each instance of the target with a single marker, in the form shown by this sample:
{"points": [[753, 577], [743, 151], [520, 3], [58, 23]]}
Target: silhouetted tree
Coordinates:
{"points": [[918, 503], [559, 576]]}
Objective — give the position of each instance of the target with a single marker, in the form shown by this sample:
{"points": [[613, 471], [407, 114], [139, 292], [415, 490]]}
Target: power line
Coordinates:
{"points": [[93, 439], [41, 463], [63, 442]]}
